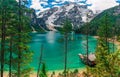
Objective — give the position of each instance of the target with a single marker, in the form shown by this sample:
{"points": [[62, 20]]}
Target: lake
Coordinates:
{"points": [[53, 50]]}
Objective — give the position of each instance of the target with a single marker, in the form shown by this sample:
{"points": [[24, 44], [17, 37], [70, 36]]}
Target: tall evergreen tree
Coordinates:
{"points": [[3, 34], [87, 41], [23, 51], [67, 28], [43, 72], [12, 41], [19, 37], [106, 60]]}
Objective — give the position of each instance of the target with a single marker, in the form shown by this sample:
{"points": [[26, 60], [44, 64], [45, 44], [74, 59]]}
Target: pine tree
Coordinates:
{"points": [[11, 32], [67, 28], [3, 34], [11, 43], [22, 39], [106, 60], [43, 72]]}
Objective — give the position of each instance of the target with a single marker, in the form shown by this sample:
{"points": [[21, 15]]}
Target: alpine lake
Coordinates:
{"points": [[53, 50]]}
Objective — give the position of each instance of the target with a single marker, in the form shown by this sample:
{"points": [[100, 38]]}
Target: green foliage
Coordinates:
{"points": [[11, 17], [43, 72], [75, 71], [117, 28], [42, 75], [107, 63], [105, 27], [67, 27]]}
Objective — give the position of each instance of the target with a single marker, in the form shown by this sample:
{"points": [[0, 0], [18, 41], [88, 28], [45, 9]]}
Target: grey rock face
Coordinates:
{"points": [[74, 12]]}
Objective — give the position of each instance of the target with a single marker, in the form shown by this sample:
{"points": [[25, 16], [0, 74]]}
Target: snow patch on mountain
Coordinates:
{"points": [[74, 12], [69, 7], [53, 17]]}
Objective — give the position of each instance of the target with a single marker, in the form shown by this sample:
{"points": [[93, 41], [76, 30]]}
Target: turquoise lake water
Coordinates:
{"points": [[53, 51]]}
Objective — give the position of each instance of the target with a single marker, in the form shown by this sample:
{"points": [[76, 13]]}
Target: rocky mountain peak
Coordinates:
{"points": [[74, 12]]}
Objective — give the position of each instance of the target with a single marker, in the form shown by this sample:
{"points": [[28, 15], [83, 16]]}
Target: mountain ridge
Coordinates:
{"points": [[72, 11], [113, 15]]}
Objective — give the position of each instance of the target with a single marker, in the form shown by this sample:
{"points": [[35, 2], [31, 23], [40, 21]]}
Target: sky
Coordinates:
{"points": [[42, 5]]}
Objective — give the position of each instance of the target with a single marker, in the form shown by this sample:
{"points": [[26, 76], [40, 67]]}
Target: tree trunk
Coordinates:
{"points": [[3, 40], [10, 57], [106, 33], [19, 48], [65, 65], [107, 44], [87, 46], [40, 61]]}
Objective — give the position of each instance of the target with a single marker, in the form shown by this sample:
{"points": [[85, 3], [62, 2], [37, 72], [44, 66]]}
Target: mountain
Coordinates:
{"points": [[55, 16], [114, 19], [34, 21]]}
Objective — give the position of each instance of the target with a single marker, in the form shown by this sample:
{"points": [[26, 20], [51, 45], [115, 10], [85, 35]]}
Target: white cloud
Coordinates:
{"points": [[36, 4], [102, 4], [54, 3], [96, 4]]}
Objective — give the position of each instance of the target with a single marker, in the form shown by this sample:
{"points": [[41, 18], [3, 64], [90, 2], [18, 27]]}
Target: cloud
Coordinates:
{"points": [[102, 4], [96, 4], [43, 4], [39, 5]]}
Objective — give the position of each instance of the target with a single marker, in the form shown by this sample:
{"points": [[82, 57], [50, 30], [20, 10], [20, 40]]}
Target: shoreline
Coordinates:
{"points": [[57, 72], [117, 43]]}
